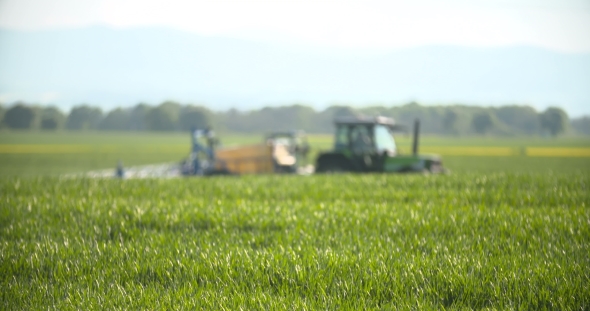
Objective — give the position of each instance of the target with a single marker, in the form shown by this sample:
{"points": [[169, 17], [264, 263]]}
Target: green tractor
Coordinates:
{"points": [[366, 144]]}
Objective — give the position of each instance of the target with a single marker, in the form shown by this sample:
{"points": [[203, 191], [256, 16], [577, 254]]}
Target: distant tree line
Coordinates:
{"points": [[172, 116]]}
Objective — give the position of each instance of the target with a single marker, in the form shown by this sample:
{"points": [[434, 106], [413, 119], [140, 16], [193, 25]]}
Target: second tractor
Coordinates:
{"points": [[366, 144]]}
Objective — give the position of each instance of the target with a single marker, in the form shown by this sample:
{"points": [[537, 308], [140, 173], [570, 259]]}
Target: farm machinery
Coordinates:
{"points": [[289, 150], [281, 152], [366, 144], [361, 144], [202, 160]]}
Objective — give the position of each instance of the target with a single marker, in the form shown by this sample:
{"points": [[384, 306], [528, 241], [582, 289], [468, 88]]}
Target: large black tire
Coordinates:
{"points": [[333, 165], [332, 169]]}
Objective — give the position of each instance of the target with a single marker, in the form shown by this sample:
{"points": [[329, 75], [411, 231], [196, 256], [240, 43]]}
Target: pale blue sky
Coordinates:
{"points": [[560, 25], [534, 52]]}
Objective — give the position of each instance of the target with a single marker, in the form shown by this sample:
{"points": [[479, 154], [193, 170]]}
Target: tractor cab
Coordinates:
{"points": [[362, 136], [366, 144], [289, 150]]}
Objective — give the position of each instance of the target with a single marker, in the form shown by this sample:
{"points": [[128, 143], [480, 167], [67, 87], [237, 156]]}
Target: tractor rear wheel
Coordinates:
{"points": [[334, 166], [333, 169]]}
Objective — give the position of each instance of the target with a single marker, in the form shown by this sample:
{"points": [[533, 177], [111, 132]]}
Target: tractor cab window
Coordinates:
{"points": [[361, 139], [383, 139], [341, 138]]}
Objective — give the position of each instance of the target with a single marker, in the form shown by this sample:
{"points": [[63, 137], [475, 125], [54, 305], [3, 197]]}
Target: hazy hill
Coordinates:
{"points": [[122, 67]]}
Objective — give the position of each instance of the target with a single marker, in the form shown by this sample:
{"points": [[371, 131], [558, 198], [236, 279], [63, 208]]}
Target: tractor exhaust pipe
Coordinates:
{"points": [[416, 135]]}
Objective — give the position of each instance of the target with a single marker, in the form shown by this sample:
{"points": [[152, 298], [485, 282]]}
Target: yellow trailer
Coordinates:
{"points": [[253, 159], [269, 157]]}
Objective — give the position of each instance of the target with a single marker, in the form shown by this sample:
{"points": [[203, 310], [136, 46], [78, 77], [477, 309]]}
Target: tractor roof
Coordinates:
{"points": [[360, 120]]}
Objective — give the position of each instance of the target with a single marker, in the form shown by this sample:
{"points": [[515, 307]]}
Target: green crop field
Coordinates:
{"points": [[501, 232]]}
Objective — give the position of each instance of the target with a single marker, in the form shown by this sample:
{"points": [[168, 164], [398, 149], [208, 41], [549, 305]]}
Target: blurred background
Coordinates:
{"points": [[105, 73]]}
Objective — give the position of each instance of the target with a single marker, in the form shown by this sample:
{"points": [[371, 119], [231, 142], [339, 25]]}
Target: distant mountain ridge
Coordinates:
{"points": [[113, 67]]}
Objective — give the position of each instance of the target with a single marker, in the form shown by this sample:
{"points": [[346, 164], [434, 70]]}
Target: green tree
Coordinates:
{"points": [[83, 117], [449, 120], [482, 122], [581, 125], [172, 107], [323, 121], [137, 117], [343, 111], [2, 112], [52, 118], [49, 124], [407, 113], [194, 116], [300, 117], [232, 120], [554, 120], [116, 119], [160, 119], [19, 116], [520, 119], [285, 118]]}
